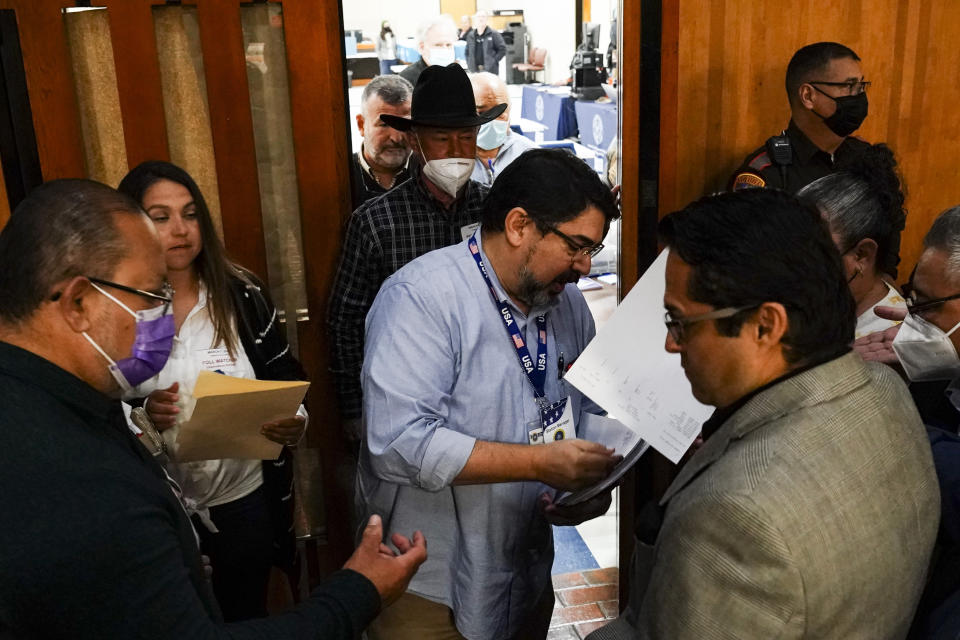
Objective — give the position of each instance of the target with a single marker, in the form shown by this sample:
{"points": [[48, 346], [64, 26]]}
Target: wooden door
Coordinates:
{"points": [[105, 93]]}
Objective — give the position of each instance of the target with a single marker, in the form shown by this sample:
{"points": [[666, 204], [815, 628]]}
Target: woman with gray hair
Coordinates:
{"points": [[863, 206]]}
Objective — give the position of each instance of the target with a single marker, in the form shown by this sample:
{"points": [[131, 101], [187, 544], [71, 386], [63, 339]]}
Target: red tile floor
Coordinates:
{"points": [[585, 601]]}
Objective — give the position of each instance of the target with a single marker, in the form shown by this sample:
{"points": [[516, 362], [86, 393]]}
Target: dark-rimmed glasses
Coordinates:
{"points": [[677, 326], [853, 87], [588, 250], [916, 308], [166, 297]]}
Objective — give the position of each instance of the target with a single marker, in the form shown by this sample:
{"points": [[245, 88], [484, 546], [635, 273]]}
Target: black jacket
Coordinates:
{"points": [[491, 46], [265, 344], [93, 543]]}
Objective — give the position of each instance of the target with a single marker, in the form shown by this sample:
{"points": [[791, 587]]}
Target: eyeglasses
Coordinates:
{"points": [[588, 250], [166, 297], [676, 326], [914, 307], [853, 87]]}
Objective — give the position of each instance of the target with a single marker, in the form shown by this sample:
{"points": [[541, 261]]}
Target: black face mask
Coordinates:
{"points": [[850, 113]]}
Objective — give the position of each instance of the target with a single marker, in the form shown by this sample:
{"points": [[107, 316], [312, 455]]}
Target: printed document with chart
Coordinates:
{"points": [[626, 370]]}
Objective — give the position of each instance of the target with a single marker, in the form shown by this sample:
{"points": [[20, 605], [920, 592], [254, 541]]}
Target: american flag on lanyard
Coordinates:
{"points": [[552, 413]]}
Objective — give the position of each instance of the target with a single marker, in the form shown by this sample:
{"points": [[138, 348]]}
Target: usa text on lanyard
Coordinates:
{"points": [[536, 373]]}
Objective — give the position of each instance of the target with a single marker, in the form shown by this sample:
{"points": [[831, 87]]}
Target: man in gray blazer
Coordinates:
{"points": [[811, 509]]}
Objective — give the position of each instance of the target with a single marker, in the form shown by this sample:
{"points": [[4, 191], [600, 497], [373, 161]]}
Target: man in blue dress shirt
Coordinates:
{"points": [[463, 372]]}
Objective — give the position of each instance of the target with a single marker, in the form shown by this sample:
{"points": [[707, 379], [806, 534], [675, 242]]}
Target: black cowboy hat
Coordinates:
{"points": [[443, 98]]}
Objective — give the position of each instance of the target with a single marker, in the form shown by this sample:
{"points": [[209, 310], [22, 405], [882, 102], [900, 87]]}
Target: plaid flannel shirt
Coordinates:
{"points": [[383, 235]]}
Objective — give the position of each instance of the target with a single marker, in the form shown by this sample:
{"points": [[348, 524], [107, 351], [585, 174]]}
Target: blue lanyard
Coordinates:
{"points": [[536, 372]]}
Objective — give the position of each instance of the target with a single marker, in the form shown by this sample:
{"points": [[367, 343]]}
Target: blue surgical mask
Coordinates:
{"points": [[442, 56], [492, 134]]}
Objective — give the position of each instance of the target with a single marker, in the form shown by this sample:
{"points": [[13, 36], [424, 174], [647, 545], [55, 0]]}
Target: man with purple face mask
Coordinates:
{"points": [[94, 542]]}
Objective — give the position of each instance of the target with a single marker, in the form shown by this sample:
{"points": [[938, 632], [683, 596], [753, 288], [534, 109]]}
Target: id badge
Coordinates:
{"points": [[216, 360], [467, 230], [557, 421]]}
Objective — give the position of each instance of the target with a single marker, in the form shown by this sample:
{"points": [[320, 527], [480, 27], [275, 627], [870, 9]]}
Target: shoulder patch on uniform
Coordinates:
{"points": [[747, 181], [760, 162]]}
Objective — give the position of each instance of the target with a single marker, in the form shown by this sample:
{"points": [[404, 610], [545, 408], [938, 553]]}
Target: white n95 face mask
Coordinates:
{"points": [[442, 56], [450, 174], [925, 350], [492, 134]]}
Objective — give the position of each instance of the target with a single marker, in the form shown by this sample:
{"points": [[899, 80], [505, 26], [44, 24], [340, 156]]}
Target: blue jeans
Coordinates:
{"points": [[385, 66]]}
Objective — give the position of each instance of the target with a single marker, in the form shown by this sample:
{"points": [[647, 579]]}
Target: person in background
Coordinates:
{"points": [[224, 322], [811, 508], [828, 102], [381, 162], [464, 29], [863, 206], [497, 145], [485, 46], [95, 543], [386, 48], [438, 206], [435, 42]]}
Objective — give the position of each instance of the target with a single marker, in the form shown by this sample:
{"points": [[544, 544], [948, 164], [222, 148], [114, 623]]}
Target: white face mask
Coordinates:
{"points": [[442, 56], [925, 350], [450, 174], [492, 134]]}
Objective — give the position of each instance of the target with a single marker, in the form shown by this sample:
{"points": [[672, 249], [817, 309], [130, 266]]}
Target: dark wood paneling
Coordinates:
{"points": [[231, 123], [725, 90], [318, 104], [46, 61], [138, 79]]}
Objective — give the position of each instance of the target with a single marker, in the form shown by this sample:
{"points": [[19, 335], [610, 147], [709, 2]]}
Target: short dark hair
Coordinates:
{"points": [[392, 89], [763, 245], [864, 200], [551, 185], [62, 229], [813, 59]]}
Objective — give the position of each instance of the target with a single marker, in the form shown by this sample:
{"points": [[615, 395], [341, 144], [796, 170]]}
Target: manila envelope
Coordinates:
{"points": [[229, 411]]}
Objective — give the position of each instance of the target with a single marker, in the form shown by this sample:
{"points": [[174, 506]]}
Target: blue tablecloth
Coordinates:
{"points": [[407, 50], [553, 110], [597, 122]]}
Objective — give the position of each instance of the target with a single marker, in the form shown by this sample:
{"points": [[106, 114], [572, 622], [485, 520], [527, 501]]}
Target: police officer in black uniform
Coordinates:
{"points": [[828, 102]]}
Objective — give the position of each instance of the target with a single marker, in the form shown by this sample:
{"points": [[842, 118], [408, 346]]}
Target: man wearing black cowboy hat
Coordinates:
{"points": [[438, 206]]}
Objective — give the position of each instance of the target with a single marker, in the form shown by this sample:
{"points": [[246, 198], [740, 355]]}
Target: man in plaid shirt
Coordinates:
{"points": [[438, 206]]}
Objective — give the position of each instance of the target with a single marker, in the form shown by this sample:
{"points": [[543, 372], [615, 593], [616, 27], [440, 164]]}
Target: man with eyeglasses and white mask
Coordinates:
{"points": [[94, 542], [925, 345], [437, 206], [828, 102], [811, 508], [497, 145], [468, 422], [435, 42]]}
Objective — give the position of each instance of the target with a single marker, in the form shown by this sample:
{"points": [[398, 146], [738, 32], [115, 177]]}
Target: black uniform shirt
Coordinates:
{"points": [[808, 163]]}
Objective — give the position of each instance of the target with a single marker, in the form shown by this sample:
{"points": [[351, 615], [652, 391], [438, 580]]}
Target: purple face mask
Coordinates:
{"points": [[151, 345]]}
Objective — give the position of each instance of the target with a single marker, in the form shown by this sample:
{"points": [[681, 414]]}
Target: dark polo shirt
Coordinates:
{"points": [[93, 542]]}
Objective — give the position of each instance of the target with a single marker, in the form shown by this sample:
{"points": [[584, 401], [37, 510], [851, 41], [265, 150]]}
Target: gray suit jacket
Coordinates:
{"points": [[810, 513]]}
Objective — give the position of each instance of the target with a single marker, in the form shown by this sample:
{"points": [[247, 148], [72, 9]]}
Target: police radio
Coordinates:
{"points": [[780, 152]]}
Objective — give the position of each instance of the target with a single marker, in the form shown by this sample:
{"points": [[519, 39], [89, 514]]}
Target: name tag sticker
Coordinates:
{"points": [[557, 421], [215, 359], [467, 230]]}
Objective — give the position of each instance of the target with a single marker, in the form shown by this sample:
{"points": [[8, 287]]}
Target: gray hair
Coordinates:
{"points": [[944, 236], [63, 229], [442, 20], [865, 200], [392, 89]]}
